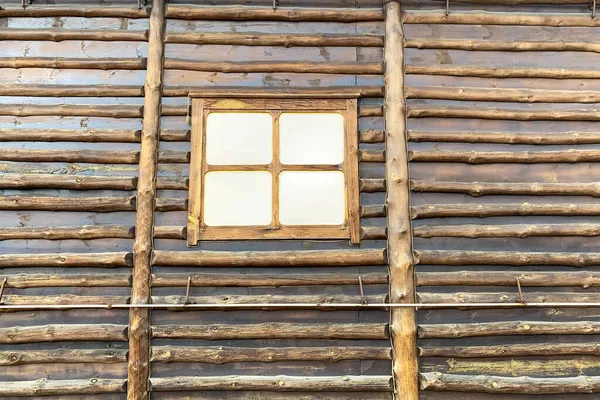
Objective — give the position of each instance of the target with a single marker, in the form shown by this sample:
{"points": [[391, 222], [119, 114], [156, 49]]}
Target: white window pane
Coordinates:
{"points": [[237, 198], [311, 138], [239, 138], [312, 198]]}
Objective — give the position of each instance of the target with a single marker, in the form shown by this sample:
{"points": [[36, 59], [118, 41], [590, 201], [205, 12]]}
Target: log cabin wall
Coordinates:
{"points": [[502, 111]]}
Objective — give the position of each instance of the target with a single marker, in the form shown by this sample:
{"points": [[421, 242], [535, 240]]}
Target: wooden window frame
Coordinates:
{"points": [[202, 106]]}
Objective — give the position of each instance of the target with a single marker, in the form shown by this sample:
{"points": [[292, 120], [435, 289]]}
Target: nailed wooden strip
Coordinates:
{"points": [[509, 298], [69, 135], [509, 230], [43, 387], [74, 63], [503, 384], [72, 182], [253, 279], [224, 355], [266, 67], [58, 35], [280, 383], [373, 211], [29, 357], [71, 90], [273, 330], [70, 156], [22, 281], [372, 136], [466, 257], [270, 39], [84, 232], [505, 278], [430, 111], [242, 13], [373, 232], [498, 18], [494, 45], [519, 157], [476, 189], [269, 258], [40, 11], [64, 203], [371, 156], [502, 209], [66, 333], [502, 72], [372, 185], [512, 350], [503, 95], [66, 300], [99, 260], [506, 137], [171, 204], [290, 92]]}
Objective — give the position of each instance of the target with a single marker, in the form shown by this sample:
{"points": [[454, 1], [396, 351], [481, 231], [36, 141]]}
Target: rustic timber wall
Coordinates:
{"points": [[504, 151]]}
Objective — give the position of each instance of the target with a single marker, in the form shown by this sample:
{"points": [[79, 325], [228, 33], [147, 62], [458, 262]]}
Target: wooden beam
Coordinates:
{"points": [[289, 258], [96, 260], [63, 333], [244, 13], [82, 232], [518, 157], [273, 39], [508, 328], [399, 245], [39, 11], [371, 156], [290, 92], [373, 211], [372, 185], [280, 383], [509, 230], [503, 209], [65, 301], [69, 110], [64, 203], [67, 356], [503, 95], [44, 387], [74, 63], [23, 281], [494, 45], [372, 136], [299, 67], [512, 350], [502, 72], [71, 91], [476, 189], [58, 35], [582, 279], [139, 318], [505, 137], [510, 298], [71, 182], [70, 156], [431, 111], [273, 330], [517, 258]]}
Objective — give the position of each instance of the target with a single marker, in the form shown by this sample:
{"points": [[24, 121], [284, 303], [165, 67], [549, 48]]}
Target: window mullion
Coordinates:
{"points": [[275, 169]]}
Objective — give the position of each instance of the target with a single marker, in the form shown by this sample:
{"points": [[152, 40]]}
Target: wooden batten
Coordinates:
{"points": [[298, 92], [482, 300], [430, 111], [373, 211], [71, 90], [66, 280], [512, 350], [372, 136], [70, 156], [501, 278], [139, 318], [69, 135], [372, 185]]}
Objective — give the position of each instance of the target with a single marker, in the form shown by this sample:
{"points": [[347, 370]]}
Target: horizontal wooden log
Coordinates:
{"points": [[83, 232], [254, 279], [373, 232], [172, 156], [517, 258], [63, 300], [39, 11], [513, 350], [518, 157], [290, 92], [44, 387], [371, 156], [68, 110], [502, 209], [370, 111], [509, 298], [58, 35], [430, 111], [300, 67], [69, 135], [172, 183], [498, 18], [97, 260], [494, 45], [71, 156], [224, 355], [170, 232], [64, 203], [74, 63], [280, 383], [521, 2], [508, 328], [503, 384], [313, 258], [263, 302], [171, 204], [503, 95], [272, 39], [509, 230], [506, 137], [71, 90], [242, 13], [477, 189], [23, 281], [64, 333], [372, 136], [66, 356], [72, 182], [502, 72], [373, 211], [171, 135], [506, 278], [272, 330], [372, 185]]}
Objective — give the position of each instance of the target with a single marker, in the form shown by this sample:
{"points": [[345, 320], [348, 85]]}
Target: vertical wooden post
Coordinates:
{"points": [[400, 258], [139, 318]]}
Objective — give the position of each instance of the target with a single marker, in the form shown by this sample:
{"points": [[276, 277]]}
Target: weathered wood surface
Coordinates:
{"points": [[66, 333], [76, 280], [474, 257], [70, 91], [273, 330], [503, 328], [499, 18], [503, 209], [523, 157], [431, 111], [266, 39], [67, 356], [495, 278], [508, 230], [83, 232], [85, 12], [58, 35], [512, 350], [71, 156], [299, 67], [494, 45], [512, 298], [505, 137], [56, 203], [74, 63], [99, 260], [502, 72], [503, 95], [477, 189], [72, 182], [43, 387]]}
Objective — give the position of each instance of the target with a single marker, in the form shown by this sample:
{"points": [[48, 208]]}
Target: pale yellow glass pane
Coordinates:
{"points": [[312, 198], [237, 198], [239, 138], [316, 138]]}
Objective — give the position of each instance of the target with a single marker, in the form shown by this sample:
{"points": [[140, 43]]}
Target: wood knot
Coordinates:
{"points": [[14, 358]]}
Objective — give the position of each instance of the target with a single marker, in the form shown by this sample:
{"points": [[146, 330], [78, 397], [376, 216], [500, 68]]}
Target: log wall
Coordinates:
{"points": [[500, 130]]}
